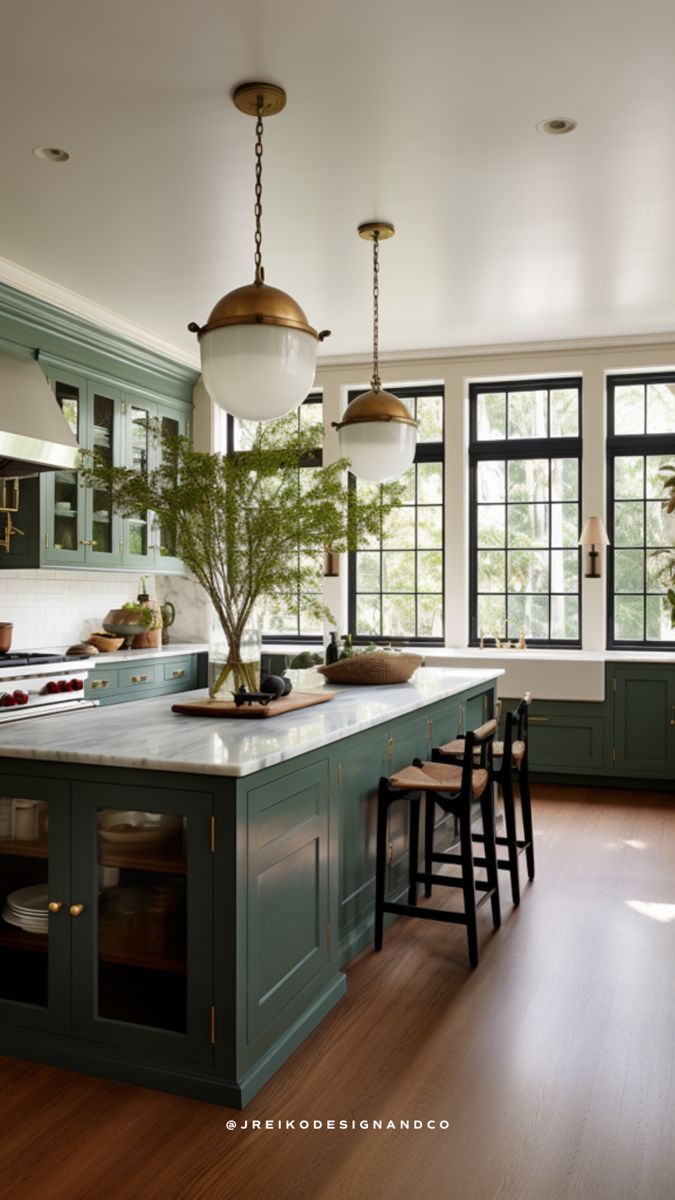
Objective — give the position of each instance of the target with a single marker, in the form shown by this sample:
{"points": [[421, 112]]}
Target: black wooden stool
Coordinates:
{"points": [[510, 759], [453, 788]]}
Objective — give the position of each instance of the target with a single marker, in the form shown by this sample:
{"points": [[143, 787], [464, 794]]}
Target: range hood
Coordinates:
{"points": [[34, 434]]}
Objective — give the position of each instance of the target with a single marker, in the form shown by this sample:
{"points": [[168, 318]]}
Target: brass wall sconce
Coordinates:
{"points": [[593, 535], [331, 563]]}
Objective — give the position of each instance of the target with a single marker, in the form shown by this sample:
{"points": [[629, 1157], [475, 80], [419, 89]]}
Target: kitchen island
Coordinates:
{"points": [[207, 879]]}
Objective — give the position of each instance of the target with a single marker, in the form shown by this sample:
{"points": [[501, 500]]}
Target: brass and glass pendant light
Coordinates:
{"points": [[377, 433], [258, 352]]}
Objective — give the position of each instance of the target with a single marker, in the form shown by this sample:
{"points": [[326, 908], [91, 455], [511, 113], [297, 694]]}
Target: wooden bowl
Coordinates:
{"points": [[105, 643], [373, 668]]}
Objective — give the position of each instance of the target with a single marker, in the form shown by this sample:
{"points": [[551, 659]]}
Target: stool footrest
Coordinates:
{"points": [[430, 914]]}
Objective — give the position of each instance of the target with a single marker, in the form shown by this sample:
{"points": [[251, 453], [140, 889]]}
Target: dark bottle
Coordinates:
{"points": [[347, 648], [332, 649]]}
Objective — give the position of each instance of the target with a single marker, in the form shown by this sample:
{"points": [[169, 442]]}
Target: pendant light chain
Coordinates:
{"points": [[259, 269], [376, 382]]}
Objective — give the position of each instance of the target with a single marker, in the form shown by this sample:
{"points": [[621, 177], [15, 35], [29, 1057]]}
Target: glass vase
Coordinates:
{"points": [[232, 666]]}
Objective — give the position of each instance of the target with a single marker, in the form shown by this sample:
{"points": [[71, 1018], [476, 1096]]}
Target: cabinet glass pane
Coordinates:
{"points": [[104, 417], [166, 536], [140, 447], [142, 910], [23, 900], [66, 490]]}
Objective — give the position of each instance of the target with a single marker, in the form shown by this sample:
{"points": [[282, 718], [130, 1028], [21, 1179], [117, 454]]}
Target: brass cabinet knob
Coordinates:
{"points": [[55, 906], [76, 910]]}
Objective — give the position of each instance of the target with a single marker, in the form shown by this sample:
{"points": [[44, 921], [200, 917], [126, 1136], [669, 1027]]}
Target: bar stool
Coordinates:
{"points": [[454, 788], [510, 759]]}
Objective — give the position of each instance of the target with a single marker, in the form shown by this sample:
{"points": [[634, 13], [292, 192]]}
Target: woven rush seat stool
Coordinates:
{"points": [[509, 762], [453, 787]]}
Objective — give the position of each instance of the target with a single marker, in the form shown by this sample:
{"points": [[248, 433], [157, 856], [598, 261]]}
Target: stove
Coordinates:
{"points": [[34, 684]]}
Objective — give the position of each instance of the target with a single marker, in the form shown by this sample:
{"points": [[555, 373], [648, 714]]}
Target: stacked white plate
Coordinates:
{"points": [[27, 908]]}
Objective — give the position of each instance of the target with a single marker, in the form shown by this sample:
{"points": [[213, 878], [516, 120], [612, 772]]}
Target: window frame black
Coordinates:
{"points": [[424, 452], [640, 445], [313, 460], [507, 449]]}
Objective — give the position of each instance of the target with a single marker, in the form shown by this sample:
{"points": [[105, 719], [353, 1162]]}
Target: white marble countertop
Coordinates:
{"points": [[169, 651], [146, 734]]}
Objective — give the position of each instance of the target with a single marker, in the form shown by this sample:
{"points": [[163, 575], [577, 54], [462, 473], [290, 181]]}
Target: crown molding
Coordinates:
{"points": [[103, 320], [640, 341]]}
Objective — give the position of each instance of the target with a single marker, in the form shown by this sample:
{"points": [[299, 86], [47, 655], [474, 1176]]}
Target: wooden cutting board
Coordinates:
{"points": [[275, 708]]}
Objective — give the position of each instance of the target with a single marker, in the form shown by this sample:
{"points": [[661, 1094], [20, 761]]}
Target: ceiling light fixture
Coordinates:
{"points": [[377, 433], [258, 352], [51, 153], [557, 125]]}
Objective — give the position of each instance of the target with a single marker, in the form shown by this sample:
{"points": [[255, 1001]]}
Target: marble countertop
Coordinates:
{"points": [[169, 651], [146, 734]]}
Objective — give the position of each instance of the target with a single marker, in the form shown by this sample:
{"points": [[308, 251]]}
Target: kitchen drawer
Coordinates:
{"points": [[567, 744], [141, 675], [102, 680], [180, 670]]}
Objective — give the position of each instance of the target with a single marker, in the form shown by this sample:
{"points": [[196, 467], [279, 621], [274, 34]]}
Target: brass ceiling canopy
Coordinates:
{"points": [[259, 99], [376, 231]]}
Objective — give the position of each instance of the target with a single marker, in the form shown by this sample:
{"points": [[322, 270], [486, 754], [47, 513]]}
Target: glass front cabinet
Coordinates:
{"points": [[118, 901], [80, 525]]}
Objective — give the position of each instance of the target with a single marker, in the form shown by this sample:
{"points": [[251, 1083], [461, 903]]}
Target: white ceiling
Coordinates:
{"points": [[422, 113]]}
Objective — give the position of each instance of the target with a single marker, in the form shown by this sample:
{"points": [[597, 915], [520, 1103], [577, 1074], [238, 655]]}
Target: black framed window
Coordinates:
{"points": [[287, 619], [396, 581], [525, 505], [640, 440]]}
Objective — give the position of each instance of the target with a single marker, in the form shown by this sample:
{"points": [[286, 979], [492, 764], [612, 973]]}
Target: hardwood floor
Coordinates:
{"points": [[553, 1062]]}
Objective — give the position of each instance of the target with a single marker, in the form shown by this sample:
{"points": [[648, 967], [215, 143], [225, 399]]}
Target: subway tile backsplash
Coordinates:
{"points": [[51, 608]]}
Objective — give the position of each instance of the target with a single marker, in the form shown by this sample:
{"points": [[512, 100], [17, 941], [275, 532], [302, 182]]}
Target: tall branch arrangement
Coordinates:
{"points": [[238, 521]]}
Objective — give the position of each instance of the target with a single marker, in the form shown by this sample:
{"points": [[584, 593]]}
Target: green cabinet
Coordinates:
{"points": [[80, 526], [123, 957], [644, 719], [116, 683], [109, 390]]}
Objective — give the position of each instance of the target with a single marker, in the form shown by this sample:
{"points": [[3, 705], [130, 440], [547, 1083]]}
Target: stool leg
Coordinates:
{"points": [[526, 809], [487, 813], [429, 814], [468, 887], [414, 850], [380, 866], [511, 832]]}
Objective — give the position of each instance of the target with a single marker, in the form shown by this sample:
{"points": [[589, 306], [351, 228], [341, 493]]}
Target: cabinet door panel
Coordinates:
{"points": [[362, 761], [64, 495], [287, 891], [162, 546], [138, 452], [410, 738], [142, 944], [644, 739], [34, 871], [103, 533]]}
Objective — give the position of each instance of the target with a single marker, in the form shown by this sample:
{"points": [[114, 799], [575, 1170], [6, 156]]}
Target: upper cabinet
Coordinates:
{"points": [[111, 391], [80, 525]]}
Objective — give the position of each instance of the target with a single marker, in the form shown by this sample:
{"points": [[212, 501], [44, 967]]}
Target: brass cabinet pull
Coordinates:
{"points": [[139, 678], [88, 542], [178, 674], [672, 714], [100, 683], [542, 720], [122, 549], [76, 910], [55, 906], [390, 751]]}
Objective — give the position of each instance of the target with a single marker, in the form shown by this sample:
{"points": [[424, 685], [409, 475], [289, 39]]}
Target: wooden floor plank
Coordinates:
{"points": [[553, 1062]]}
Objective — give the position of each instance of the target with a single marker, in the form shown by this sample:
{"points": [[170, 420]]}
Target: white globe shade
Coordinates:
{"points": [[258, 372], [378, 450]]}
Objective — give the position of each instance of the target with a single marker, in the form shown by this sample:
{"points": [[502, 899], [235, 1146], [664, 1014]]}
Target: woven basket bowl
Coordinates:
{"points": [[373, 668]]}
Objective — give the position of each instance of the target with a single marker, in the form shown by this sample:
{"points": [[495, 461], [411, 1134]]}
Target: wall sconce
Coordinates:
{"points": [[331, 563], [593, 535]]}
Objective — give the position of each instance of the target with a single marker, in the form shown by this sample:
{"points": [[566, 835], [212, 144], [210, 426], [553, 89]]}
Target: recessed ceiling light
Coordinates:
{"points": [[557, 125], [51, 153]]}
